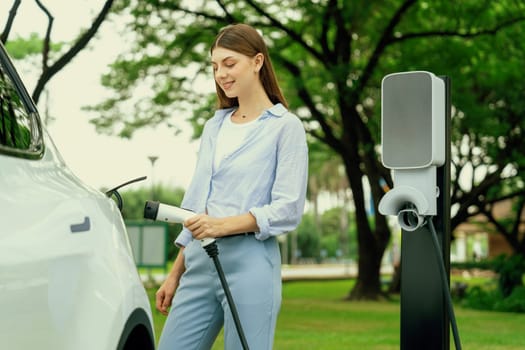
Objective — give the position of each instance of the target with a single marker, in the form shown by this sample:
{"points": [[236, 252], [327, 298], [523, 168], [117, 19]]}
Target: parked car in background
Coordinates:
{"points": [[67, 275]]}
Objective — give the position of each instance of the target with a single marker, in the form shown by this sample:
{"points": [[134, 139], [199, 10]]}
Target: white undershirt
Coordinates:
{"points": [[230, 137]]}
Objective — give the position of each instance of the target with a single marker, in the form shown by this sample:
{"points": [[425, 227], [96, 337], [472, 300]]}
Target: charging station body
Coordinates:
{"points": [[416, 146]]}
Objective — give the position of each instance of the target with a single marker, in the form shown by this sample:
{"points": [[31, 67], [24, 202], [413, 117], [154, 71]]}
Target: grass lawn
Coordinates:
{"points": [[314, 316]]}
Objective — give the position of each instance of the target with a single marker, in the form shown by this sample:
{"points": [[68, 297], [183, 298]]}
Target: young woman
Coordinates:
{"points": [[249, 186]]}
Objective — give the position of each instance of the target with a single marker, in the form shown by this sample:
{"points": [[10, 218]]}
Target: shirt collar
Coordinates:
{"points": [[277, 110]]}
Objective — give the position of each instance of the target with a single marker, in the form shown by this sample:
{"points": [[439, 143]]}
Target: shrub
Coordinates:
{"points": [[481, 299], [515, 302], [493, 300], [510, 270]]}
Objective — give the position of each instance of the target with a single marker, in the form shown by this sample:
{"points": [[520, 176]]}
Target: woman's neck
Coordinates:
{"points": [[251, 105]]}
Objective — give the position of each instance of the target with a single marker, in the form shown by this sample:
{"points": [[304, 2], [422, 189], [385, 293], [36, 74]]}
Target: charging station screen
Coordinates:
{"points": [[407, 120]]}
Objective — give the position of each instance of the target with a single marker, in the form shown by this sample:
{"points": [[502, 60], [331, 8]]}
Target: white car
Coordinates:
{"points": [[67, 276]]}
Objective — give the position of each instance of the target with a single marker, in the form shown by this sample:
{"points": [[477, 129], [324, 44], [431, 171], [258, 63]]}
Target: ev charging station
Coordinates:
{"points": [[415, 137]]}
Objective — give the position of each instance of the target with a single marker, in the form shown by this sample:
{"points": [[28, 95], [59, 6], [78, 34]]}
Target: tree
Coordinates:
{"points": [[330, 56], [51, 69], [490, 156]]}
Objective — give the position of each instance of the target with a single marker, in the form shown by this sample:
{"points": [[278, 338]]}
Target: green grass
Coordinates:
{"points": [[314, 316]]}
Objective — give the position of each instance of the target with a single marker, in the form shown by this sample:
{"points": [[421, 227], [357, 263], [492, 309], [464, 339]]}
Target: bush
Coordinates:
{"points": [[308, 238], [481, 299], [493, 300], [510, 270], [515, 302]]}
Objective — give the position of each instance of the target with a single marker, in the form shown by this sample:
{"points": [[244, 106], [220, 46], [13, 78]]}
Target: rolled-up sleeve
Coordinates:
{"points": [[184, 238], [288, 192]]}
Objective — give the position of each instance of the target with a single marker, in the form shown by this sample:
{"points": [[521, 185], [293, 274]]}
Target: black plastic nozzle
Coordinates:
{"points": [[151, 210]]}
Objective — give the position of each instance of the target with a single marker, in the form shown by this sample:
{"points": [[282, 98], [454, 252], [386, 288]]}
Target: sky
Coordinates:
{"points": [[101, 161]]}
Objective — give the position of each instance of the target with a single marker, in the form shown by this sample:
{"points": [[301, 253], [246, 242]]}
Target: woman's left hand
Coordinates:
{"points": [[204, 226]]}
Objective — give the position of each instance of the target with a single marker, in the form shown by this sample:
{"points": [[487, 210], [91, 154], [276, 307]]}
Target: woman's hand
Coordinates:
{"points": [[204, 226], [165, 294]]}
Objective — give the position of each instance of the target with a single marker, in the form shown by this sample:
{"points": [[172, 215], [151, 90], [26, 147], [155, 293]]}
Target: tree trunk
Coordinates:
{"points": [[371, 244], [368, 284], [395, 284]]}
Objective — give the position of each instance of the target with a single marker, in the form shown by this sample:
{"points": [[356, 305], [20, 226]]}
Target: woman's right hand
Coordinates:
{"points": [[165, 294]]}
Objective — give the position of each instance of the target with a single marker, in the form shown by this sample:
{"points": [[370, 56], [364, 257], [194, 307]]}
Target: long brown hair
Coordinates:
{"points": [[245, 40]]}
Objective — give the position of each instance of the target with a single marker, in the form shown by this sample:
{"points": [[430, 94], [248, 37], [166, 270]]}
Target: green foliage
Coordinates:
{"points": [[480, 298], [19, 48], [510, 270], [330, 241], [508, 294], [308, 237], [515, 302]]}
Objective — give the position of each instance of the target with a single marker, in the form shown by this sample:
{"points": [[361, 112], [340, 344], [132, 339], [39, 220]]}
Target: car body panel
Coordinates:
{"points": [[67, 276]]}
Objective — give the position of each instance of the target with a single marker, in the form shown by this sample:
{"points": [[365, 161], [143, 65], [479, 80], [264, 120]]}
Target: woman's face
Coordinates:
{"points": [[234, 72]]}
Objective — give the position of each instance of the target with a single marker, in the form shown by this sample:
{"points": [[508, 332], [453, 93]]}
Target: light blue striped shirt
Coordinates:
{"points": [[265, 176]]}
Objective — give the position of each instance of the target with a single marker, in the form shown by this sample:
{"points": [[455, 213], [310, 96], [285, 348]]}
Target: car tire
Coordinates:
{"points": [[137, 333]]}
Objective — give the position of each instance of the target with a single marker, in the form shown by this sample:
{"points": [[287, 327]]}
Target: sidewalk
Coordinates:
{"points": [[306, 272], [323, 271]]}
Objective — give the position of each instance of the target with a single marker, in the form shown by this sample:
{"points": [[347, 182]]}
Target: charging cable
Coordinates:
{"points": [[210, 246], [446, 291]]}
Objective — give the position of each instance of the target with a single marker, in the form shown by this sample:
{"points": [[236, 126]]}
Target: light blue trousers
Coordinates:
{"points": [[200, 309]]}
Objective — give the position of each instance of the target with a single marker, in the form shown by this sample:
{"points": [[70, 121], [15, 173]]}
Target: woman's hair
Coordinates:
{"points": [[245, 40]]}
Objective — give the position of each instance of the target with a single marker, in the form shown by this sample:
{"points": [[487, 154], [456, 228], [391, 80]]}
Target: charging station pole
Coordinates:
{"points": [[424, 317]]}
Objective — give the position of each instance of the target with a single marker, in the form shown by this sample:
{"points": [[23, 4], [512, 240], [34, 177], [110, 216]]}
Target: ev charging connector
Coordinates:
{"points": [[169, 213], [162, 212]]}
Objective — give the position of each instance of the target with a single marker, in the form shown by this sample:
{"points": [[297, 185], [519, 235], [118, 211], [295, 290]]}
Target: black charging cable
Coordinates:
{"points": [[446, 290], [213, 252]]}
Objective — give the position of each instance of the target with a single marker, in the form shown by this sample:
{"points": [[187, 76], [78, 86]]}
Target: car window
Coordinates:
{"points": [[20, 129]]}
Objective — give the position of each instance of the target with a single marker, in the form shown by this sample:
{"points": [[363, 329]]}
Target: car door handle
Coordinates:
{"points": [[82, 227]]}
